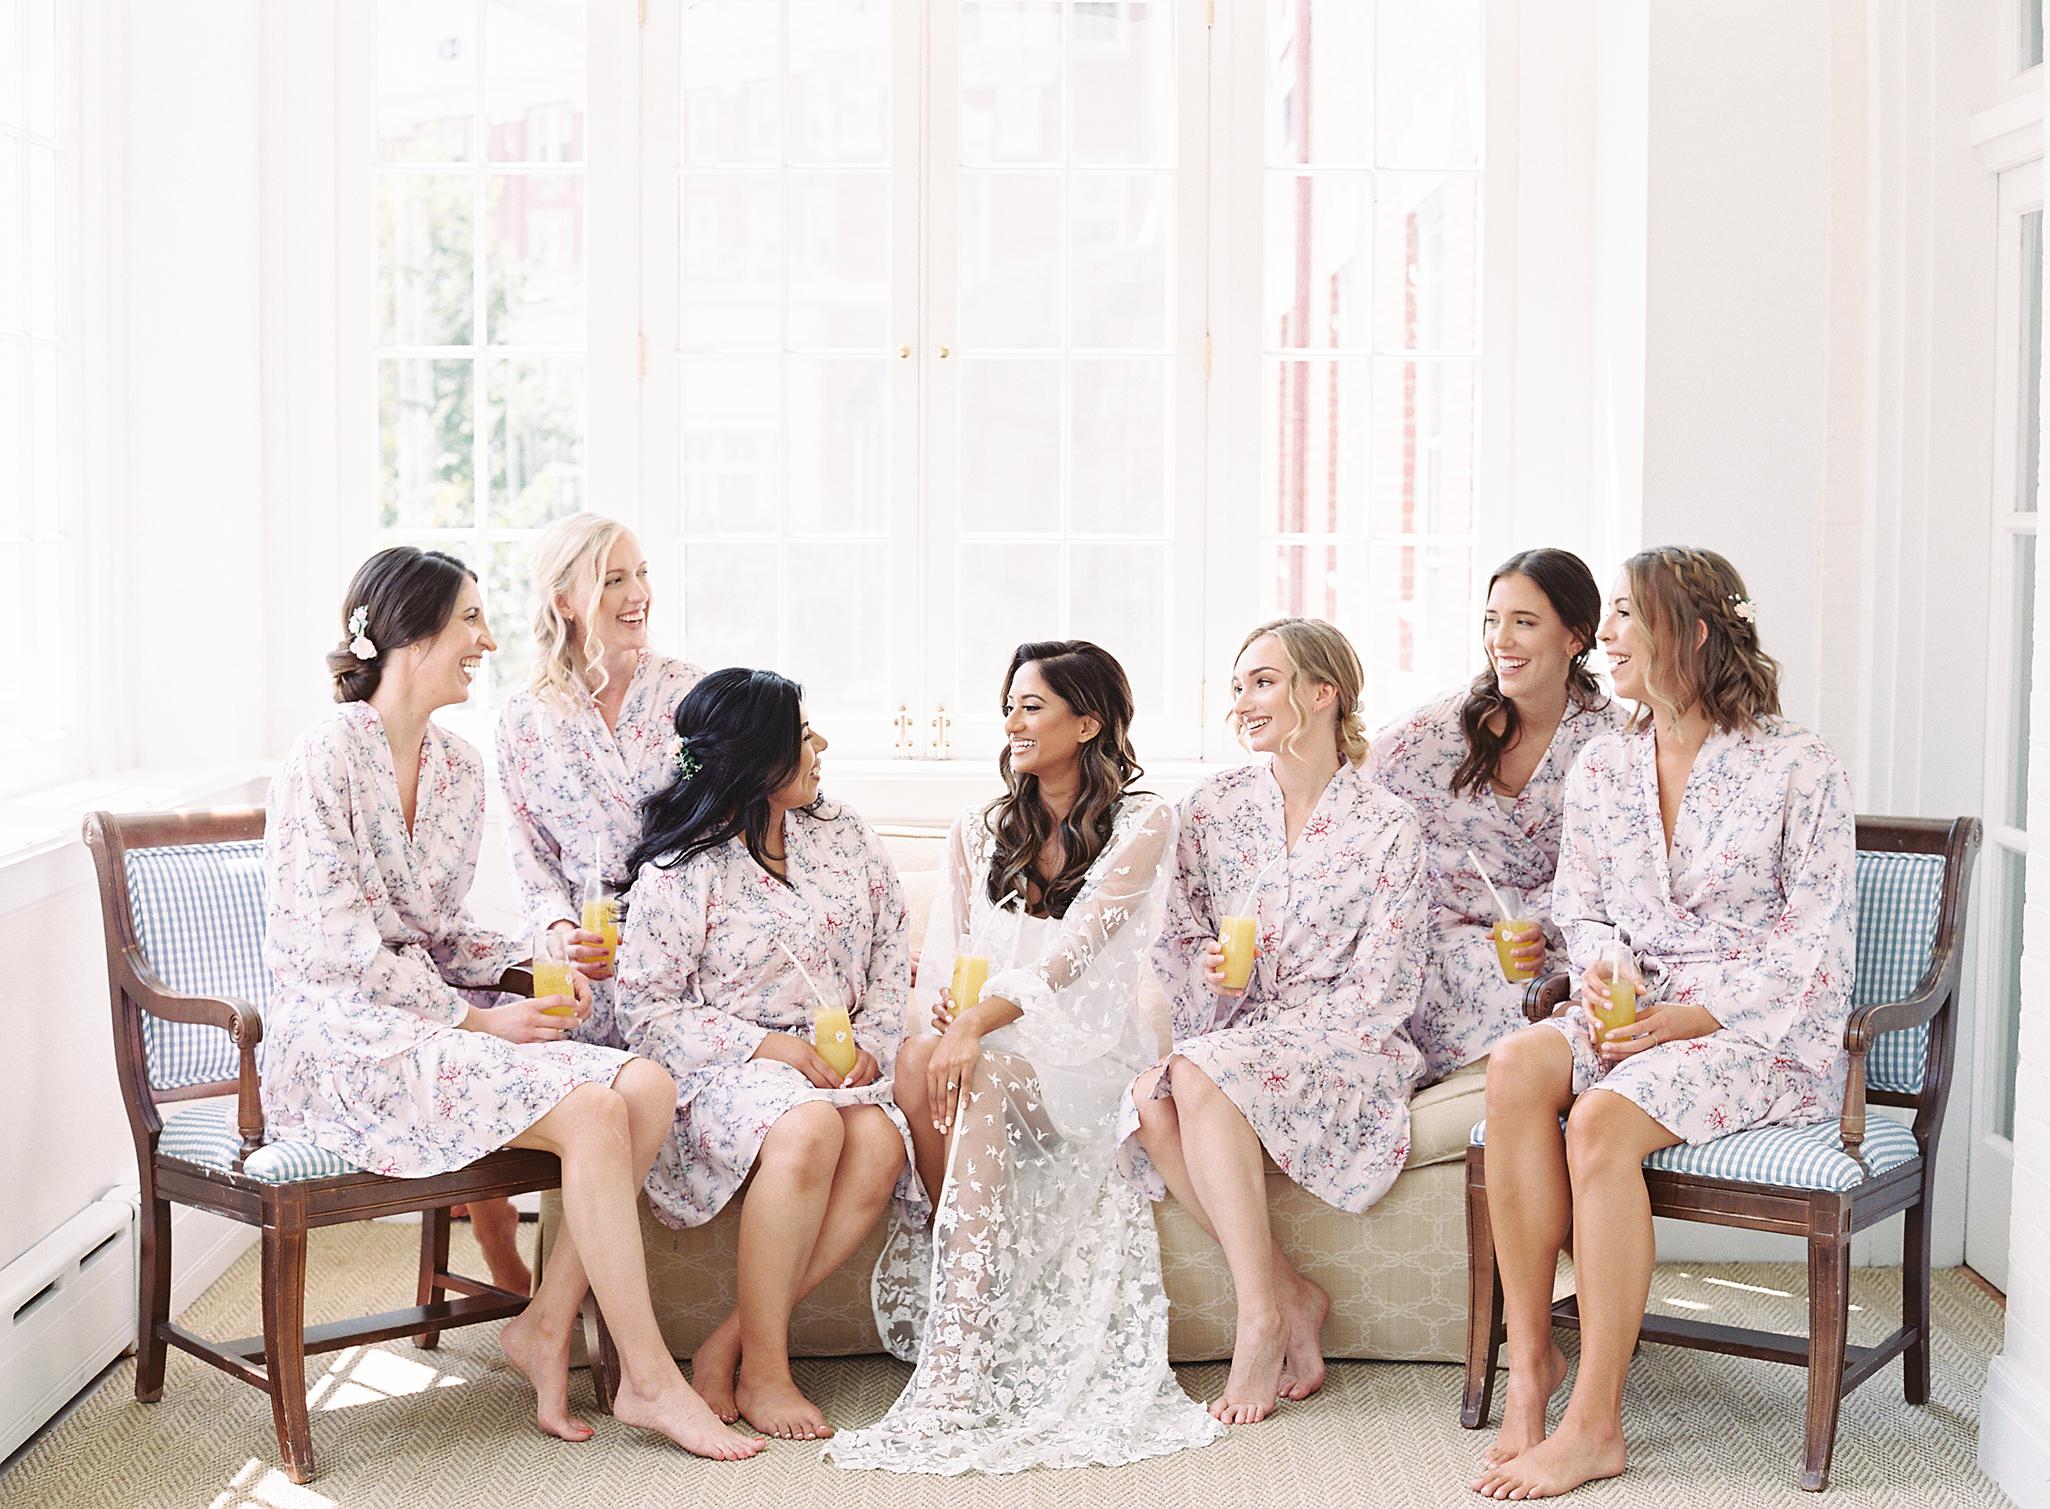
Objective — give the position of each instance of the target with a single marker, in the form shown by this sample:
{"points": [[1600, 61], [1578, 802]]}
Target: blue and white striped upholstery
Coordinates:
{"points": [[198, 912], [206, 1135], [1898, 897], [1809, 1157]]}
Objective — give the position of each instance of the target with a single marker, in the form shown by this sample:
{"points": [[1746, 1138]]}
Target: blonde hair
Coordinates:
{"points": [[569, 562], [1318, 655], [1728, 675]]}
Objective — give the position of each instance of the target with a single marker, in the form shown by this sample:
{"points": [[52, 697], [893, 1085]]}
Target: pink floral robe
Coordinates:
{"points": [[366, 937], [1467, 1005], [1316, 1052], [1753, 915], [568, 779], [702, 982]]}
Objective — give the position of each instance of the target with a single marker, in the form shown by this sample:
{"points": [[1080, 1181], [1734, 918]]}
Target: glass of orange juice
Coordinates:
{"points": [[1239, 937], [601, 916], [971, 973], [1625, 980], [832, 1033], [1508, 931], [552, 971]]}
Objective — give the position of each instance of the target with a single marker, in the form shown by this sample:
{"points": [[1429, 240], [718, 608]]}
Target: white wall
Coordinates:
{"points": [[185, 580]]}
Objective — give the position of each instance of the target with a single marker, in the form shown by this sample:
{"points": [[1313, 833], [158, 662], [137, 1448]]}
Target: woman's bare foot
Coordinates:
{"points": [[713, 1365], [1303, 1308], [1523, 1408], [1253, 1388], [544, 1361], [1558, 1464], [678, 1413], [772, 1403]]}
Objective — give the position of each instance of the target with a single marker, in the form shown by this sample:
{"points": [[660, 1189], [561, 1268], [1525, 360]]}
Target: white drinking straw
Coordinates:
{"points": [[975, 943], [1246, 900], [816, 994], [1482, 870]]}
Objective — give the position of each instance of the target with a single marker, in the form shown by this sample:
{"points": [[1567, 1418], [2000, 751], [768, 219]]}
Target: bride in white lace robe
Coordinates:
{"points": [[1033, 1307]]}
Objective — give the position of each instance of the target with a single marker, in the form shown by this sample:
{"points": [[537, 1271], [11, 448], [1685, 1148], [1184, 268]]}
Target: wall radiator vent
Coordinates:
{"points": [[67, 1309]]}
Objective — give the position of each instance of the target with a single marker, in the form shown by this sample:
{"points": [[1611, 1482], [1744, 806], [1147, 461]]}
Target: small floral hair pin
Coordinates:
{"points": [[359, 642], [687, 762], [1744, 608]]}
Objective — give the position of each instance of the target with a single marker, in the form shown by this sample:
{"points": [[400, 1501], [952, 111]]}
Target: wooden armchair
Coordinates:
{"points": [[1821, 1183], [181, 898]]}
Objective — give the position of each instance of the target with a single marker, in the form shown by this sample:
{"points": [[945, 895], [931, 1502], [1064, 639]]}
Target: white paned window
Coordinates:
{"points": [[41, 447], [1370, 331], [480, 343], [921, 328]]}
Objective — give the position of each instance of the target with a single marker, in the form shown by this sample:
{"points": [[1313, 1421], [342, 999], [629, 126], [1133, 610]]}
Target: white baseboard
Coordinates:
{"points": [[67, 1309], [2014, 1435]]}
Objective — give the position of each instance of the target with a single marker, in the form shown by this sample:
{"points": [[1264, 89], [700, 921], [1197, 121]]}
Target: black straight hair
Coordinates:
{"points": [[407, 595], [743, 733]]}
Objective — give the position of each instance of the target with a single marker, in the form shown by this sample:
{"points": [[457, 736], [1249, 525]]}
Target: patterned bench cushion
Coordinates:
{"points": [[1809, 1157], [1898, 897], [206, 1135], [198, 912]]}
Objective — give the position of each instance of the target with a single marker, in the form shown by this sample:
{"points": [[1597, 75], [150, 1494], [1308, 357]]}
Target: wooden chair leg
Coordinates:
{"points": [[1915, 1296], [284, 1344], [434, 1226], [604, 1360], [152, 1297], [1483, 1305], [1829, 1318]]}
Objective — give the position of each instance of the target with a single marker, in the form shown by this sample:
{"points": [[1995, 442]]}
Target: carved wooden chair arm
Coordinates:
{"points": [[1542, 997], [517, 981], [239, 1019]]}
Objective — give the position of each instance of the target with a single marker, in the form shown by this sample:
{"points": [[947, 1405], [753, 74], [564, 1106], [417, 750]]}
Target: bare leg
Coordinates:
{"points": [[1530, 1085], [780, 1220], [870, 1160], [1222, 1156], [1304, 1304], [599, 1134], [928, 1142], [496, 1225], [1607, 1139]]}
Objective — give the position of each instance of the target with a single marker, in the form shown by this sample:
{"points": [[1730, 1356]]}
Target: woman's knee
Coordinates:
{"points": [[1529, 1067], [907, 1085], [646, 1086], [1606, 1131], [593, 1115], [1192, 1087], [805, 1141], [870, 1141]]}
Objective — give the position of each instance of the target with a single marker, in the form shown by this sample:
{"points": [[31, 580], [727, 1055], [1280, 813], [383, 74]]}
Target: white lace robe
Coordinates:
{"points": [[568, 780], [702, 982], [369, 945], [1033, 1307]]}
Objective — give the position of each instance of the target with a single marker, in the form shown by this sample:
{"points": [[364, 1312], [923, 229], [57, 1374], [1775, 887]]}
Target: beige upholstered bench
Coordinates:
{"points": [[1396, 1275]]}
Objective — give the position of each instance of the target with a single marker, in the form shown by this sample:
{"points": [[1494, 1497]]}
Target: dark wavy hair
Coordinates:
{"points": [[1570, 588], [409, 594], [1089, 679], [1728, 675], [744, 731]]}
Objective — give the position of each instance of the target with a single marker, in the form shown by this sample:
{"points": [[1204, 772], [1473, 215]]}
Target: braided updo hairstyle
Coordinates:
{"points": [[1727, 675], [407, 595], [1318, 655]]}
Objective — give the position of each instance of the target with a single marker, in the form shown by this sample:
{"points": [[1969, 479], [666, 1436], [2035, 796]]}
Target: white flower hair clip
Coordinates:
{"points": [[359, 642], [1744, 608]]}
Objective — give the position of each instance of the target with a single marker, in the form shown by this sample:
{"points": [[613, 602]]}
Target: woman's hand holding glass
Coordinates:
{"points": [[1213, 970], [544, 1019], [1528, 951], [1657, 1021], [585, 949], [788, 1048]]}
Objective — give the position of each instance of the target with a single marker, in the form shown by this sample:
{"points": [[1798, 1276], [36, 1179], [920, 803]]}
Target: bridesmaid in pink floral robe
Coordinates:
{"points": [[1311, 1060], [1714, 843], [1485, 769], [756, 904]]}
